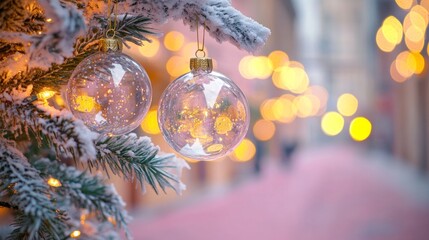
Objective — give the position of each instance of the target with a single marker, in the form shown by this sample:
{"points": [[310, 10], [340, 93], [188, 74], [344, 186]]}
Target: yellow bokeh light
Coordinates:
{"points": [[392, 30], [243, 67], [260, 67], [382, 42], [404, 4], [419, 16], [347, 104], [395, 75], [174, 41], [266, 109], [420, 63], [291, 78], [264, 130], [415, 23], [301, 82], [177, 66], [277, 77], [425, 4], [415, 46], [150, 123], [284, 110], [315, 104], [360, 129], [278, 58], [75, 234], [304, 106], [85, 103], [53, 182], [150, 49], [332, 123], [406, 64], [414, 34], [245, 151]]}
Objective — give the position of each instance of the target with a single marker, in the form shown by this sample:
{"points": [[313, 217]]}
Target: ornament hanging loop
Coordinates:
{"points": [[110, 33], [200, 49], [111, 42]]}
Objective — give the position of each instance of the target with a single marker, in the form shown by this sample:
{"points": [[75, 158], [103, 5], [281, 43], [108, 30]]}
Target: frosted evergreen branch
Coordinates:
{"points": [[20, 16], [69, 136], [131, 28], [223, 21], [8, 205], [54, 43], [9, 49], [55, 77], [21, 186], [136, 157], [84, 191]]}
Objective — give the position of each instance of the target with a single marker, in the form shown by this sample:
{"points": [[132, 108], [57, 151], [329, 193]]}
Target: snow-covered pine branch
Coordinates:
{"points": [[23, 188], [53, 44], [136, 157], [222, 20], [128, 156], [84, 191], [56, 42], [21, 16], [129, 29], [69, 136]]}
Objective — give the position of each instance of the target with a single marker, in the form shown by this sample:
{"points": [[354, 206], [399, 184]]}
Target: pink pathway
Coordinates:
{"points": [[327, 194]]}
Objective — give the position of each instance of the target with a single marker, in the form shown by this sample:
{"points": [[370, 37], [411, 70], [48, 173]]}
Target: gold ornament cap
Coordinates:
{"points": [[110, 44], [201, 64]]}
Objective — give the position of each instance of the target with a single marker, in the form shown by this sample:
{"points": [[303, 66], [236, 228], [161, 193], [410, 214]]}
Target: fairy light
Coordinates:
{"points": [[112, 220], [82, 219], [49, 20], [45, 94], [75, 234], [53, 182]]}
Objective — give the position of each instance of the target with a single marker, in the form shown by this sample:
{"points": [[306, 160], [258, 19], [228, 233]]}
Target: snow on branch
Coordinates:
{"points": [[23, 188], [69, 136], [132, 156], [52, 45], [129, 28], [223, 21], [84, 191]]}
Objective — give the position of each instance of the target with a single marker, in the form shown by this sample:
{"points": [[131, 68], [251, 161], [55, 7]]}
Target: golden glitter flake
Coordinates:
{"points": [[223, 125], [241, 111], [85, 103], [197, 130], [214, 148]]}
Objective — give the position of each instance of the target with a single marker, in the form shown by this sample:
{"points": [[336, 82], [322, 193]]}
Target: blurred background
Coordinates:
{"points": [[337, 147]]}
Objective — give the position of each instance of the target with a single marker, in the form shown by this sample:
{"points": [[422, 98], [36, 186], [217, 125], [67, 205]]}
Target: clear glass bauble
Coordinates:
{"points": [[203, 115], [110, 92]]}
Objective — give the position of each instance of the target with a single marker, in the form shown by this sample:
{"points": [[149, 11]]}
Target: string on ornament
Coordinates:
{"points": [[200, 49]]}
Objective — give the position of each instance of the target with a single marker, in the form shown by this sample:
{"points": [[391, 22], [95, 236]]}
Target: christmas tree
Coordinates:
{"points": [[50, 161]]}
